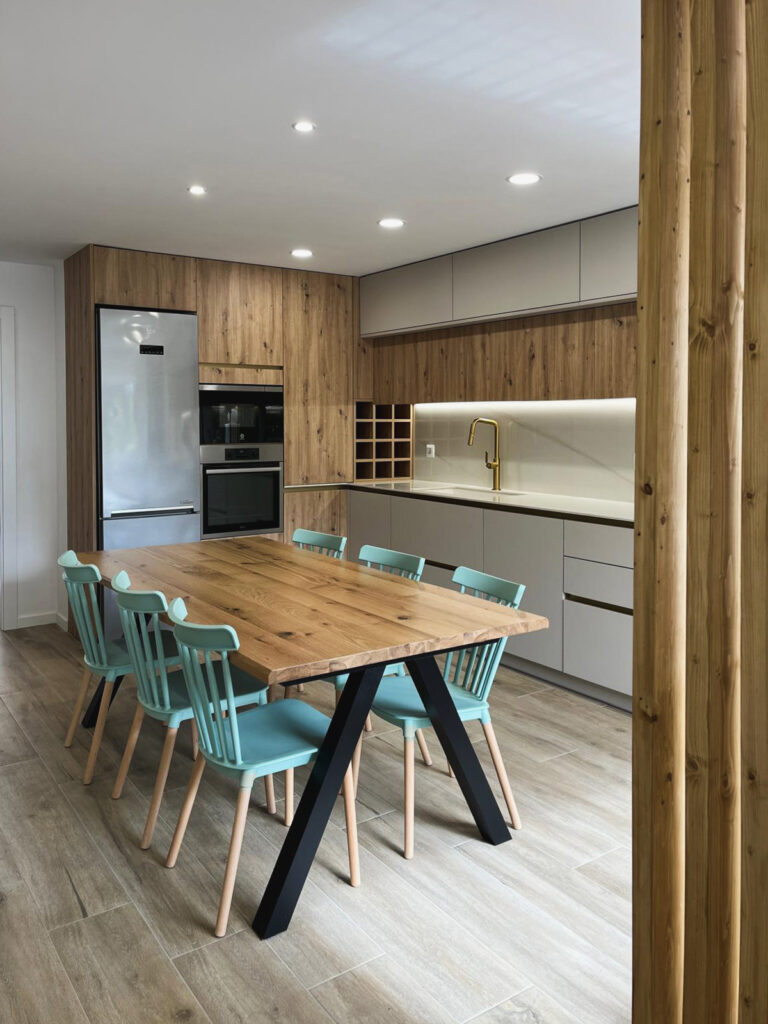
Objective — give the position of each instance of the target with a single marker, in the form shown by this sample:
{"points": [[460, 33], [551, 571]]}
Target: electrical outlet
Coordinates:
{"points": [[430, 451]]}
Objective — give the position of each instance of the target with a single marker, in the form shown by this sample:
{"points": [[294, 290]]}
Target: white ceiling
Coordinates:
{"points": [[110, 109]]}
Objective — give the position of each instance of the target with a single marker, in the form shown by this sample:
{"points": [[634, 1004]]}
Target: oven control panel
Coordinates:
{"points": [[241, 455]]}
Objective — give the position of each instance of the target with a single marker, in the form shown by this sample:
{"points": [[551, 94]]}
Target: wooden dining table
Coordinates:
{"points": [[301, 616]]}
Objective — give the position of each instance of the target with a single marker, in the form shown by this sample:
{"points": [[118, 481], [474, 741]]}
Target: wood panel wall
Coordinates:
{"points": [[713, 674], [155, 280], [240, 314], [585, 353], [660, 516], [323, 509], [754, 888], [319, 323]]}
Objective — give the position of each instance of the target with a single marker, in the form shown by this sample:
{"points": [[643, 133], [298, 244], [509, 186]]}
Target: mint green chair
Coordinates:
{"points": [[322, 543], [106, 659], [397, 563], [244, 745], [469, 674], [162, 694]]}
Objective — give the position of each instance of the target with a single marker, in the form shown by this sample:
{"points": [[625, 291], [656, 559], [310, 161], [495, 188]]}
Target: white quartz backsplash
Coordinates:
{"points": [[580, 448]]}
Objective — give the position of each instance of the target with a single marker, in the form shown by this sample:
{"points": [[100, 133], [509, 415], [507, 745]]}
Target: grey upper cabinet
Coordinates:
{"points": [[369, 521], [412, 296], [529, 272], [529, 549], [609, 255]]}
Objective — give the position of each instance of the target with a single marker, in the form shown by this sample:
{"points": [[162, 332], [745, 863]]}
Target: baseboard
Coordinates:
{"points": [[36, 619], [62, 621], [622, 701]]}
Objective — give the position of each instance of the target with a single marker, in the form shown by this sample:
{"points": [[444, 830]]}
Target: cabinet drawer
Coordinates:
{"points": [[597, 646], [452, 534], [598, 543], [610, 584]]}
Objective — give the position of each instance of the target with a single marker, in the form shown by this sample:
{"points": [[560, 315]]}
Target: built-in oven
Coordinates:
{"points": [[241, 414], [241, 489]]}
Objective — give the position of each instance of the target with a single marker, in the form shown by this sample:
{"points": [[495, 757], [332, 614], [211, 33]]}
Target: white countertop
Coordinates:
{"points": [[565, 504]]}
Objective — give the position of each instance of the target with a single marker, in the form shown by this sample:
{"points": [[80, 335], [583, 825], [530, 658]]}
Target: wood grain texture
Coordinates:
{"points": [[81, 399], [754, 899], [324, 509], [715, 369], [299, 614], [586, 353], [128, 277], [319, 321], [240, 314], [660, 515], [217, 373]]}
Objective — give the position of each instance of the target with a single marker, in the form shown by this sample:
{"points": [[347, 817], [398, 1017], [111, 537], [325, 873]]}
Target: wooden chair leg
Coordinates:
{"points": [[368, 723], [195, 739], [351, 816], [288, 796], [233, 858], [269, 790], [409, 765], [423, 747], [160, 780], [130, 746], [186, 810], [300, 688], [451, 774], [356, 763], [98, 732], [79, 703], [501, 771]]}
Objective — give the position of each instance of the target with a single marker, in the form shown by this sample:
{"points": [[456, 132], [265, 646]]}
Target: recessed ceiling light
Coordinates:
{"points": [[196, 190], [301, 254], [304, 127], [391, 222], [524, 178]]}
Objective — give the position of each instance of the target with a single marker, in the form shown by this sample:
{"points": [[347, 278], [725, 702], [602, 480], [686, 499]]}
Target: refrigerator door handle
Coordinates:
{"points": [[168, 510]]}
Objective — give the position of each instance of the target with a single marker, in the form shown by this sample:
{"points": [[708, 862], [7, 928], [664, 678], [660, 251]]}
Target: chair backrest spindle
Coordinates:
{"points": [[398, 563], [80, 582], [140, 612], [322, 543]]}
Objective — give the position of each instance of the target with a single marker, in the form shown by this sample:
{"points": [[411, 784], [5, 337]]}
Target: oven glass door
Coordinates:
{"points": [[240, 417], [242, 499]]}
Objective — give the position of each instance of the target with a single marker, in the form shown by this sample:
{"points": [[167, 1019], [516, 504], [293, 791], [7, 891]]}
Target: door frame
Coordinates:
{"points": [[9, 598]]}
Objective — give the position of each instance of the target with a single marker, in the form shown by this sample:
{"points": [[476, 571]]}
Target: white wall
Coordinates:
{"points": [[36, 292], [583, 448]]}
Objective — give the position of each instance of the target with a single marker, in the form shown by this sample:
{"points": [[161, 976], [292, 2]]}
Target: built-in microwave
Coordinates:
{"points": [[241, 490], [241, 414]]}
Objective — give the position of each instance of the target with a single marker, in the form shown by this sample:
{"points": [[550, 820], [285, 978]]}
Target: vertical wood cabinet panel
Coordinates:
{"points": [[240, 314], [529, 549], [528, 272], [609, 255], [125, 277], [324, 509], [410, 296], [319, 321]]}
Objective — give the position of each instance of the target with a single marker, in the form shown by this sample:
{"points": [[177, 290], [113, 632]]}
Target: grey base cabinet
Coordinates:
{"points": [[369, 518], [440, 531], [529, 549], [598, 645]]}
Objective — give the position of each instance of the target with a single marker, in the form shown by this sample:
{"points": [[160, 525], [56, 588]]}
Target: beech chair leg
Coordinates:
{"points": [[288, 796], [356, 763], [98, 732], [195, 739], [501, 771], [78, 708], [409, 765], [351, 817], [130, 746], [300, 688], [368, 724], [160, 780], [186, 810], [269, 790], [451, 774], [233, 859], [423, 747]]}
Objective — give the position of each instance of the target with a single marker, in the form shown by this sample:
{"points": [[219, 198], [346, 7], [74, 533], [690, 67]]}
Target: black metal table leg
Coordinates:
{"points": [[303, 839], [92, 711], [458, 748]]}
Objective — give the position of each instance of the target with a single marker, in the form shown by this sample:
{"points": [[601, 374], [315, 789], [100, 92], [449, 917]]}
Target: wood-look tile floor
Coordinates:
{"points": [[92, 929]]}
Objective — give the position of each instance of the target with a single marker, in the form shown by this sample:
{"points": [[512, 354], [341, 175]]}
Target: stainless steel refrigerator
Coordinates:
{"points": [[149, 442]]}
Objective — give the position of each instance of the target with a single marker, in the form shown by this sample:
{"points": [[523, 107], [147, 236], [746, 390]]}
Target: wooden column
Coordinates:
{"points": [[713, 684], [660, 515], [754, 899]]}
